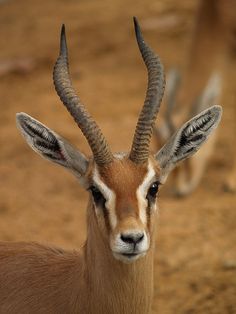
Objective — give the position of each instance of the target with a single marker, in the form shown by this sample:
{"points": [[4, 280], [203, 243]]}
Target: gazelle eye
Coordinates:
{"points": [[97, 195], [152, 191]]}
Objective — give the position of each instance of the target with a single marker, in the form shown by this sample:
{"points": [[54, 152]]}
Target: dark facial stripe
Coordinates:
{"points": [[148, 214], [106, 218]]}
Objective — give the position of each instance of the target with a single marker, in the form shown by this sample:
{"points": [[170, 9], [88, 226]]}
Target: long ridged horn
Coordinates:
{"points": [[155, 90], [67, 94]]}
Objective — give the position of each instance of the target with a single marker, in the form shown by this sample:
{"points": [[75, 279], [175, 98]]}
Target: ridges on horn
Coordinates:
{"points": [[156, 82], [155, 90], [68, 96]]}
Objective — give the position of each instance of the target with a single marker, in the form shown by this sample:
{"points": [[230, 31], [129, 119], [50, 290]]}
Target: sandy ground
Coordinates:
{"points": [[195, 261]]}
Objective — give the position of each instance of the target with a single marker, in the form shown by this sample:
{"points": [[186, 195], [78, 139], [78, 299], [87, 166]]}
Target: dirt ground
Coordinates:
{"points": [[195, 261]]}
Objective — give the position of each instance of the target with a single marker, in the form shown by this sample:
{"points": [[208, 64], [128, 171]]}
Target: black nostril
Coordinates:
{"points": [[127, 238], [140, 238], [132, 238]]}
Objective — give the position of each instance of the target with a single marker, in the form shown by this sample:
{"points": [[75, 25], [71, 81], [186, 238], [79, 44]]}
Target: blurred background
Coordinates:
{"points": [[195, 262]]}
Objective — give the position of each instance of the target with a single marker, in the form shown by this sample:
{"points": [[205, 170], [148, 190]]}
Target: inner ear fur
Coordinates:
{"points": [[188, 139], [50, 145]]}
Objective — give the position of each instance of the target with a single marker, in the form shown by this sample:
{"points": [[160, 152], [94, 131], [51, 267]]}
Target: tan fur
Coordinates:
{"points": [[39, 279]]}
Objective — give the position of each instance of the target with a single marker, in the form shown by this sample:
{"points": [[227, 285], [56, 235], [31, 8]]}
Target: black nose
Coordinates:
{"points": [[132, 238]]}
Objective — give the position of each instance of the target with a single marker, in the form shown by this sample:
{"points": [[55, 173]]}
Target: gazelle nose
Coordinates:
{"points": [[132, 238]]}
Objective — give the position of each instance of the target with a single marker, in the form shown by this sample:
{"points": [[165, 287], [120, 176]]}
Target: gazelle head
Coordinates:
{"points": [[123, 187]]}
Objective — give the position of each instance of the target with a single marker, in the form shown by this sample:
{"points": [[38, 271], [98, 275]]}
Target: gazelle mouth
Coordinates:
{"points": [[128, 257]]}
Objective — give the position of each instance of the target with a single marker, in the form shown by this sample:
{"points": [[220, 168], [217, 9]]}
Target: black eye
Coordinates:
{"points": [[97, 195], [152, 192]]}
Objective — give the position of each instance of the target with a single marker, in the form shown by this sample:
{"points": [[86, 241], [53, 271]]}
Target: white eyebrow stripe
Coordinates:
{"points": [[109, 195], [142, 191]]}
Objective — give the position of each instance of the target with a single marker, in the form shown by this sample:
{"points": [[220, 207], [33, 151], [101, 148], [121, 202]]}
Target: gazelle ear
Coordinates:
{"points": [[187, 140], [50, 145], [210, 95], [173, 80], [164, 130]]}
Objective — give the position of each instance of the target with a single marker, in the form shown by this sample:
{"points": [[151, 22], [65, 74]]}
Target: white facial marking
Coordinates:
{"points": [[120, 155], [142, 192], [109, 196]]}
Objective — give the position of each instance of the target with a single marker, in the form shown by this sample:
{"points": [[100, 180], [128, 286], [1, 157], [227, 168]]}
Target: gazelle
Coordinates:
{"points": [[113, 271], [212, 47]]}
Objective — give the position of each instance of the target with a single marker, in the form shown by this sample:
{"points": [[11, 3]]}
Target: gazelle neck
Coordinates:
{"points": [[122, 288]]}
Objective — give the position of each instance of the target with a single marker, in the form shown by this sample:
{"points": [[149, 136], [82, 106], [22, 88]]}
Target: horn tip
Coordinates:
{"points": [[63, 46], [138, 32], [136, 25]]}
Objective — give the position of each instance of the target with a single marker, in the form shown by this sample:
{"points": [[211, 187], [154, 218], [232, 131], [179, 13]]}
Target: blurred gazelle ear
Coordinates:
{"points": [[173, 80], [166, 128], [210, 95], [187, 140], [50, 145]]}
